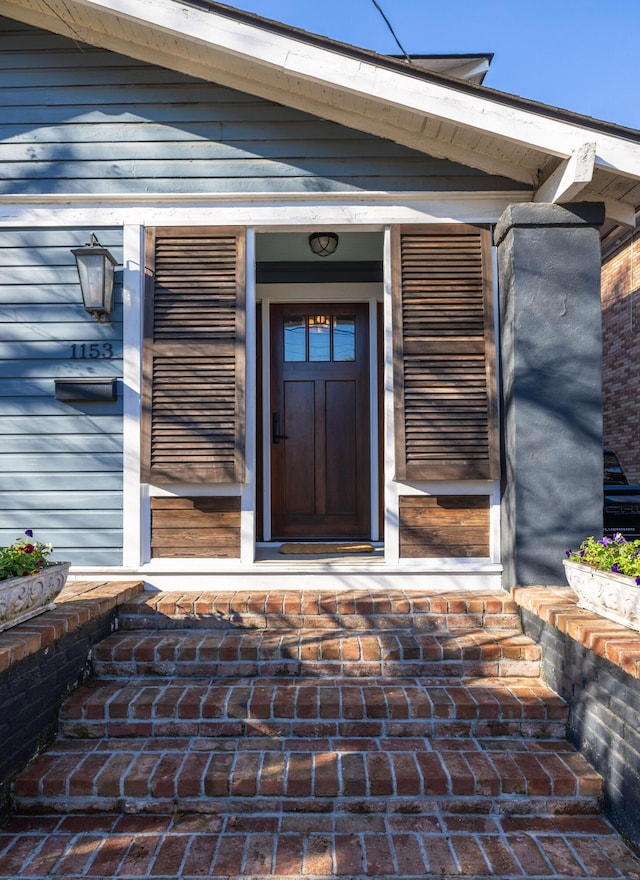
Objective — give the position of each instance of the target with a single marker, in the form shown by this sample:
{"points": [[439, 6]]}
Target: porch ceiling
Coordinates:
{"points": [[563, 156]]}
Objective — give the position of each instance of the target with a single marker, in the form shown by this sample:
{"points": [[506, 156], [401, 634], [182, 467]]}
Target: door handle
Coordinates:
{"points": [[276, 436]]}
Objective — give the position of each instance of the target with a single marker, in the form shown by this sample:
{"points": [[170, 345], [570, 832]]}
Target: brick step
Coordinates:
{"points": [[320, 610], [227, 777], [239, 652], [297, 846], [310, 708]]}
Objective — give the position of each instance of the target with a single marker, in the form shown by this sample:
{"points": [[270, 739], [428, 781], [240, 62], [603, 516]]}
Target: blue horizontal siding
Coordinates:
{"points": [[275, 185], [64, 333], [184, 125], [43, 405], [85, 481], [78, 537], [45, 505], [110, 520], [77, 119], [58, 444], [60, 463], [120, 147], [80, 424]]}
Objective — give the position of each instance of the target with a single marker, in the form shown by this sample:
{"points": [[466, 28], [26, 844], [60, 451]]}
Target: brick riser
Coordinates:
{"points": [[323, 611], [428, 704], [314, 708], [231, 653], [413, 776]]}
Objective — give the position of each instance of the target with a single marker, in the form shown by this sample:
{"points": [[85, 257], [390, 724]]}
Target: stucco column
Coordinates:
{"points": [[551, 350]]}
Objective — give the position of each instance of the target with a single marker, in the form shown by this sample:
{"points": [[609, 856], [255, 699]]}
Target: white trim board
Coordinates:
{"points": [[474, 579], [390, 486], [261, 214], [323, 292], [248, 495], [135, 515]]}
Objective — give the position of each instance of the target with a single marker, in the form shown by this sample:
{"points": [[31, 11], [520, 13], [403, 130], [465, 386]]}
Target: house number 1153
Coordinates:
{"points": [[92, 350]]}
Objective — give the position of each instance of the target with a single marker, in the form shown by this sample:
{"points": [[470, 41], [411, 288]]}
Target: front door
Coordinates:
{"points": [[320, 466]]}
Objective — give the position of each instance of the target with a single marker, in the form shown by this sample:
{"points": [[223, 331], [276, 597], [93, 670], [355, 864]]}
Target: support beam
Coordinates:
{"points": [[570, 177], [621, 212]]}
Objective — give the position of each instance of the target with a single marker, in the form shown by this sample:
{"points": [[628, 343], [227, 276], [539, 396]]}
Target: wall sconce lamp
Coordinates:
{"points": [[95, 270], [323, 243]]}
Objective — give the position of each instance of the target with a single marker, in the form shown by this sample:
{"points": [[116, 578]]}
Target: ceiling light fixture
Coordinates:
{"points": [[323, 244]]}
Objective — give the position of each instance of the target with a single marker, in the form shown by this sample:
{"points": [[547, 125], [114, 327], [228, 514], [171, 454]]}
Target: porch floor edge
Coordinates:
{"points": [[296, 578]]}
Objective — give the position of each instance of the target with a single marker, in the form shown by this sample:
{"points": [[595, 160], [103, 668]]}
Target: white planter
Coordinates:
{"points": [[615, 596], [24, 597]]}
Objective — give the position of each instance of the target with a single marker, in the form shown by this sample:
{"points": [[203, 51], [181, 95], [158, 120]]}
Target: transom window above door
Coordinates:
{"points": [[321, 337]]}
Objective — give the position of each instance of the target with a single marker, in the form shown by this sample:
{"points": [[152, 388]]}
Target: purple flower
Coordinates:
{"points": [[638, 581], [619, 538], [581, 553], [615, 568], [29, 533], [568, 553], [605, 541]]}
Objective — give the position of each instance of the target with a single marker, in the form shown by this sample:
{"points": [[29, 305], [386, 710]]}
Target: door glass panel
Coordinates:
{"points": [[344, 338], [295, 338], [319, 337]]}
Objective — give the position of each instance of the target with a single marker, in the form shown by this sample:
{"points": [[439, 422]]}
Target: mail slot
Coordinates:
{"points": [[86, 389]]}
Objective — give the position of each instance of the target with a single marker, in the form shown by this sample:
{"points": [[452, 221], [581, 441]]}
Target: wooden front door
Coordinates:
{"points": [[320, 466]]}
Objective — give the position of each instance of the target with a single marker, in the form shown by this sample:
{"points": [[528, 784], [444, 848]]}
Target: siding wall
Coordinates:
{"points": [[80, 120], [60, 463]]}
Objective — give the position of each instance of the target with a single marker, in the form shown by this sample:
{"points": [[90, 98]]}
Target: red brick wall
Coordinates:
{"points": [[621, 354]]}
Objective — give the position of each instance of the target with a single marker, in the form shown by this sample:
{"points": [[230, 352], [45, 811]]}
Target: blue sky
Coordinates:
{"points": [[577, 54]]}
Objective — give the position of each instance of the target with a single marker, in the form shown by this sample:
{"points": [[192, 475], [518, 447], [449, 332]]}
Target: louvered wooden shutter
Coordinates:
{"points": [[193, 390], [444, 354]]}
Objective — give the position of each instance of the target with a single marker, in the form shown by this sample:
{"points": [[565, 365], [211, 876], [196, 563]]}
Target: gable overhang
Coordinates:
{"points": [[562, 156]]}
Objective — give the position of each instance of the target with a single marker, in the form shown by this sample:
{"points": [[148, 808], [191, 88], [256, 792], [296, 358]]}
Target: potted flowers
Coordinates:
{"points": [[28, 582], [605, 575]]}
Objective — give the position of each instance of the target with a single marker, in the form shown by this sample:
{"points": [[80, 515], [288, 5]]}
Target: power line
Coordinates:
{"points": [[393, 33]]}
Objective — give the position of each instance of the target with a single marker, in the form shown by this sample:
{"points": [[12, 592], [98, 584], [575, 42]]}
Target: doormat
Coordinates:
{"points": [[318, 549]]}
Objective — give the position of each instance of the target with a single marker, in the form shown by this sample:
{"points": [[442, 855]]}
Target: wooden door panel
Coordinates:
{"points": [[298, 420], [341, 448], [320, 485]]}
